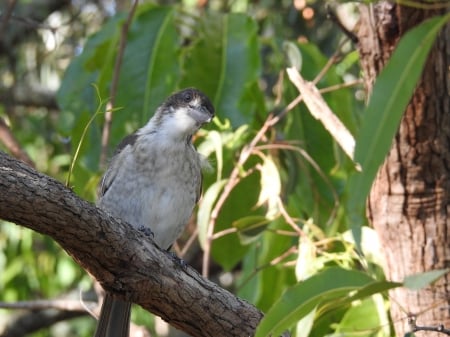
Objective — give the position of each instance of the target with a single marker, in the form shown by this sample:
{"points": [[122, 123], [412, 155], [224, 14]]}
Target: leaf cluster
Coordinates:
{"points": [[282, 212]]}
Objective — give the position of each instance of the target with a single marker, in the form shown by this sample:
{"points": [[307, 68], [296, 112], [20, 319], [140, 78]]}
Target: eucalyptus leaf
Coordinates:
{"points": [[422, 280], [299, 300], [224, 62], [205, 208], [150, 69], [250, 227]]}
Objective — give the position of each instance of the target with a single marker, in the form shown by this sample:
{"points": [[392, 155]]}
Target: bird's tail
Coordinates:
{"points": [[114, 318]]}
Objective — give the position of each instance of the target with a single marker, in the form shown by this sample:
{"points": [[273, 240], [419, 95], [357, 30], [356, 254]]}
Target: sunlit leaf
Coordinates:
{"points": [[369, 244], [306, 264], [205, 208], [304, 326], [363, 319], [213, 143], [270, 187]]}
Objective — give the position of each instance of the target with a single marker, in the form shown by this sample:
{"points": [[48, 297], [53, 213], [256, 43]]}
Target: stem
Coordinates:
{"points": [[115, 80]]}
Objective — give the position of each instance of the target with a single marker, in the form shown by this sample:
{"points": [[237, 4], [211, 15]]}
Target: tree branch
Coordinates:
{"points": [[30, 322], [121, 258], [12, 144], [29, 95], [40, 314]]}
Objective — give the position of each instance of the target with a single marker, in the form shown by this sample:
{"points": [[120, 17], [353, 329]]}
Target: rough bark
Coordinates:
{"points": [[124, 260], [409, 203]]}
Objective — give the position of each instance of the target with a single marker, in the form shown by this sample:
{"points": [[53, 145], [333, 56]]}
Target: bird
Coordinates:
{"points": [[154, 181]]}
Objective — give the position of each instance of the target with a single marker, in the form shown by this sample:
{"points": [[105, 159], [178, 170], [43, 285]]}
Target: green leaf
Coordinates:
{"points": [[301, 299], [150, 68], [250, 227], [421, 280], [363, 292], [363, 319], [391, 94], [224, 62], [76, 94], [374, 288], [149, 71]]}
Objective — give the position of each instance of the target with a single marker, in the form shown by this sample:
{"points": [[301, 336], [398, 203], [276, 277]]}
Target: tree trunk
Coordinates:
{"points": [[409, 203]]}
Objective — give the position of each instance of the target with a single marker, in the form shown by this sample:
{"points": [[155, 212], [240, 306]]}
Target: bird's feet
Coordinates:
{"points": [[146, 231], [179, 261]]}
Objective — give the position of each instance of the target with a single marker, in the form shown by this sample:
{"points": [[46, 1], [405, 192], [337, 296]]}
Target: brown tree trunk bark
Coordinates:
{"points": [[409, 203]]}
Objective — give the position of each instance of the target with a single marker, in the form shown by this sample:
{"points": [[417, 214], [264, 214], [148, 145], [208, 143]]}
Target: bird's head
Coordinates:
{"points": [[184, 112]]}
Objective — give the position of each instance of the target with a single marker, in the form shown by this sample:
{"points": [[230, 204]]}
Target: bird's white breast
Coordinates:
{"points": [[160, 180]]}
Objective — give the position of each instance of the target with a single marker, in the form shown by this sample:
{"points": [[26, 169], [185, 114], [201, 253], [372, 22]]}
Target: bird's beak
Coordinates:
{"points": [[201, 115], [209, 114]]}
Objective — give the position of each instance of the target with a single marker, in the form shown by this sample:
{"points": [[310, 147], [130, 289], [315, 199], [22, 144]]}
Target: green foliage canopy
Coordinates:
{"points": [[274, 212]]}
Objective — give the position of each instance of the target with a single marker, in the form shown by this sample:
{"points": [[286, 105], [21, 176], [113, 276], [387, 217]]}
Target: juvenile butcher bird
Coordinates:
{"points": [[153, 181]]}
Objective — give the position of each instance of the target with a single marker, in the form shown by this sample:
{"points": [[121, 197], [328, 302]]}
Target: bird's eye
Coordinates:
{"points": [[187, 97]]}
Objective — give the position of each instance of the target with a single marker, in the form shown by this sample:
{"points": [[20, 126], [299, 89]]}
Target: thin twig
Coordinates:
{"points": [[290, 106], [414, 327], [332, 60], [114, 83], [189, 242], [66, 305], [283, 232], [289, 219], [341, 86], [231, 183], [12, 144], [224, 232], [80, 142]]}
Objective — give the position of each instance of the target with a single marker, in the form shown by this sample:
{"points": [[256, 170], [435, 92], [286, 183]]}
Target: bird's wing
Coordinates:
{"points": [[108, 177]]}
